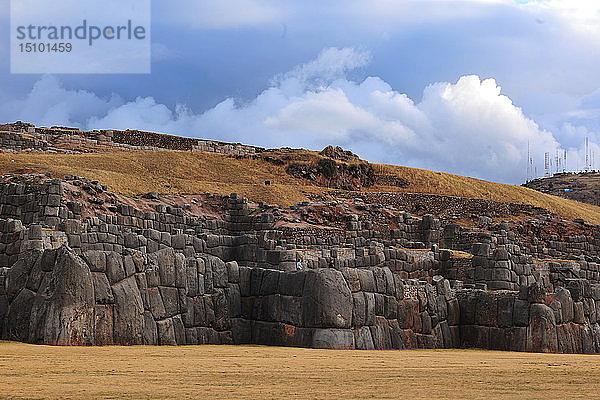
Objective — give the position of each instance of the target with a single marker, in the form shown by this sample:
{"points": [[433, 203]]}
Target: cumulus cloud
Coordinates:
{"points": [[50, 103], [332, 63], [467, 127]]}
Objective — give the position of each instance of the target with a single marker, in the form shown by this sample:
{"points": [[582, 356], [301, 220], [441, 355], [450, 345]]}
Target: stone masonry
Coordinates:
{"points": [[126, 276]]}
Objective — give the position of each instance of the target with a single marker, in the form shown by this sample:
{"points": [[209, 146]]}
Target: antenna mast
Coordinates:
{"points": [[587, 155], [547, 164]]}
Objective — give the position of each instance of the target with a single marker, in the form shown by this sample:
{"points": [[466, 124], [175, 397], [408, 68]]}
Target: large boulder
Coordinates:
{"points": [[63, 311], [128, 313], [339, 339], [541, 334], [19, 272], [327, 300], [19, 315]]}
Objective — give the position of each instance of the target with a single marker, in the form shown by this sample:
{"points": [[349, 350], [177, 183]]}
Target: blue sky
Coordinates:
{"points": [[458, 86]]}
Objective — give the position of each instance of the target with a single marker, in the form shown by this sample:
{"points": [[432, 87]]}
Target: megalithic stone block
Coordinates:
{"points": [[129, 313], [340, 339], [541, 334], [66, 314], [326, 300]]}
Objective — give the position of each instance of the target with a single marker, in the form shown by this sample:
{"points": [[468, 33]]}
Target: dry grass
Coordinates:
{"points": [[169, 172], [174, 172], [425, 181], [248, 372], [461, 254]]}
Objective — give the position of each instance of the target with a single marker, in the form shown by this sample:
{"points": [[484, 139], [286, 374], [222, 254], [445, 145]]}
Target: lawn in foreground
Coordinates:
{"points": [[252, 372]]}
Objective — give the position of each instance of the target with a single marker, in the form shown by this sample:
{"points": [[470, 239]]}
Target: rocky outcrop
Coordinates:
{"points": [[329, 173], [337, 153]]}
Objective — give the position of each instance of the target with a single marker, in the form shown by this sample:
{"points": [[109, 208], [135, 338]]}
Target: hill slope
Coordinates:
{"points": [[584, 187], [172, 172]]}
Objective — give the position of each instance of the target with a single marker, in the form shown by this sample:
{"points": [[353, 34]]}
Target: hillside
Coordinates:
{"points": [[425, 181], [583, 187], [172, 172]]}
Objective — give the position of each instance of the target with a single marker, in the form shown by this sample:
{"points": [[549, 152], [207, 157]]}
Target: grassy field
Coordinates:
{"points": [[176, 172], [251, 372]]}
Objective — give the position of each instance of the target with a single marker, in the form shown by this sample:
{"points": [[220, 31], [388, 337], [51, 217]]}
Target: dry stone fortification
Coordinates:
{"points": [[82, 266], [166, 277]]}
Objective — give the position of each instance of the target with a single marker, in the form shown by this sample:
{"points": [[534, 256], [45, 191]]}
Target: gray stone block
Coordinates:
{"points": [[19, 273], [150, 334], [128, 313], [291, 310], [102, 290], [291, 283], [339, 339], [578, 313], [233, 271], [541, 333], [326, 300], [220, 278], [380, 333], [486, 311], [505, 311], [367, 280], [270, 282], [166, 332], [363, 339], [64, 315], [114, 267], [170, 298], [358, 309], [521, 313], [103, 325]]}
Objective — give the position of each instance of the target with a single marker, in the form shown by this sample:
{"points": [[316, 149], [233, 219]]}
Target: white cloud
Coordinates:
{"points": [[49, 103], [467, 127], [331, 63], [582, 16]]}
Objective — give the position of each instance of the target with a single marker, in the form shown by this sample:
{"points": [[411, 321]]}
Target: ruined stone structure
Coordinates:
{"points": [[121, 275], [26, 137]]}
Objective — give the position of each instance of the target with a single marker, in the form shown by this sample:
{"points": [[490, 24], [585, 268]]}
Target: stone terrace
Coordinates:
{"points": [[126, 276]]}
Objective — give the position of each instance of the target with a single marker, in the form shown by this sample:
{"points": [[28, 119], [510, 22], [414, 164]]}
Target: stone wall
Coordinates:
{"points": [[532, 320], [103, 297], [168, 277], [26, 137], [14, 141]]}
